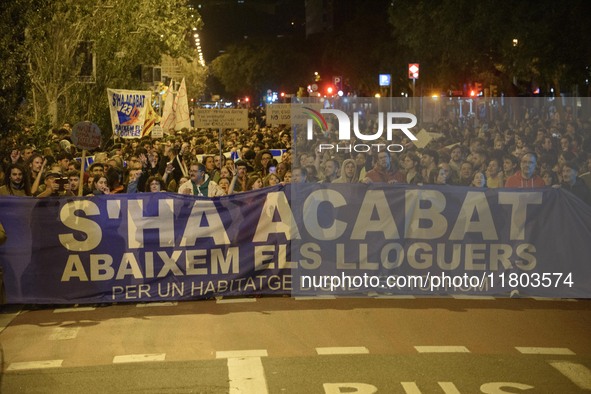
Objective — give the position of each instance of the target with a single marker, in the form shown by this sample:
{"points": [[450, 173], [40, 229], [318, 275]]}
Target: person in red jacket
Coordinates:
{"points": [[526, 178]]}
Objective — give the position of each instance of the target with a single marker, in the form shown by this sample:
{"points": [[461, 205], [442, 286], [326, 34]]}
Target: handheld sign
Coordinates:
{"points": [[157, 132], [86, 136]]}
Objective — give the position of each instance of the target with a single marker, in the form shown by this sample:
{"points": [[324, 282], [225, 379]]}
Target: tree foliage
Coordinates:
{"points": [[13, 82], [123, 34], [256, 65], [360, 48], [459, 41]]}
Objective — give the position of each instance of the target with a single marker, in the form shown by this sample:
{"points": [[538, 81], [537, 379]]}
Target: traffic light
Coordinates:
{"points": [[330, 90]]}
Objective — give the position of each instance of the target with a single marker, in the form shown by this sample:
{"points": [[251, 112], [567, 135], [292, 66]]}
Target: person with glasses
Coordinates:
{"points": [[200, 184], [526, 178], [263, 161]]}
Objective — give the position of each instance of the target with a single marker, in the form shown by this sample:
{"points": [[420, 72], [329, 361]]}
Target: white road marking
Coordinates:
{"points": [[576, 373], [412, 388], [138, 358], [472, 297], [5, 319], [34, 365], [63, 333], [323, 351], [241, 353], [76, 309], [545, 350], [554, 299], [396, 297], [149, 304], [245, 371], [448, 387], [234, 300], [442, 349], [319, 298]]}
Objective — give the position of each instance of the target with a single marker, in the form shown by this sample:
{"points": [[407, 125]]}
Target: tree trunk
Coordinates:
{"points": [[52, 109]]}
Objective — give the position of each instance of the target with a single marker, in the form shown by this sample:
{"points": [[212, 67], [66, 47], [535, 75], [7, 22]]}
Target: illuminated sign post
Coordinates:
{"points": [[385, 79], [413, 73], [386, 82]]}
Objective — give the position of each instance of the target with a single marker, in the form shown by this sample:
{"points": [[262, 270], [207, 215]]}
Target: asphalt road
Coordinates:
{"points": [[286, 345]]}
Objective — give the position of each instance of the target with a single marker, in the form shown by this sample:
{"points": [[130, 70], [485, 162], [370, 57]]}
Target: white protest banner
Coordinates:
{"points": [[221, 118], [182, 117], [157, 132], [128, 111], [168, 117], [278, 114]]}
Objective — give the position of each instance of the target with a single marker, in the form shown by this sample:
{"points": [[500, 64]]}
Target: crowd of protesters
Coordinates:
{"points": [[545, 150]]}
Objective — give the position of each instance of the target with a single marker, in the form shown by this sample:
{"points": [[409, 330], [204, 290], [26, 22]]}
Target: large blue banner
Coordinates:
{"points": [[282, 240], [400, 239]]}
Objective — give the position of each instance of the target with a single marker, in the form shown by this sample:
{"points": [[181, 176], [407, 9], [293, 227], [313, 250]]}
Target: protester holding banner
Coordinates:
{"points": [[479, 179], [286, 177], [225, 183], [282, 168], [200, 184], [115, 181], [494, 176], [75, 183], [99, 185], [271, 180], [510, 164], [155, 184], [429, 162], [526, 178], [299, 175], [443, 176], [466, 173], [411, 165], [17, 183], [330, 170], [348, 172], [255, 182], [574, 184], [385, 170], [456, 158]]}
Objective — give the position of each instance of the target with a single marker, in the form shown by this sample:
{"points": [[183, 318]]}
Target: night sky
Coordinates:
{"points": [[230, 21]]}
